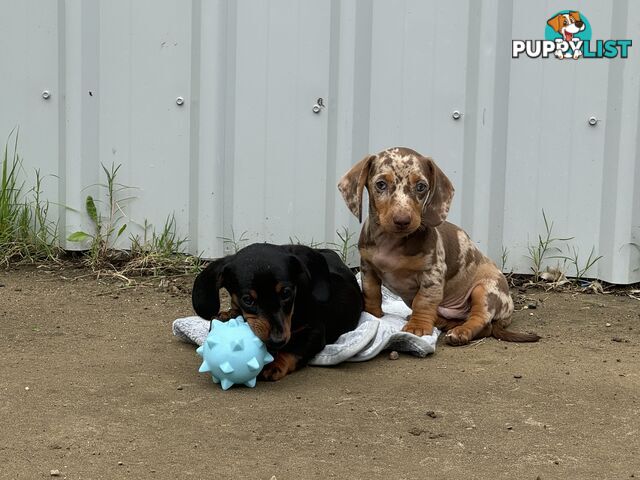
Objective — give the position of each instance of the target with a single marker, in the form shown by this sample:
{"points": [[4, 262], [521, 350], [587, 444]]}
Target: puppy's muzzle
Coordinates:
{"points": [[279, 333]]}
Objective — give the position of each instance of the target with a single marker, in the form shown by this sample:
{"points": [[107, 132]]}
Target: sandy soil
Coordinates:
{"points": [[94, 385]]}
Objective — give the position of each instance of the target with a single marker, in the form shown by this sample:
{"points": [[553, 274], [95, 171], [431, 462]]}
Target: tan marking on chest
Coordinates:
{"points": [[404, 274]]}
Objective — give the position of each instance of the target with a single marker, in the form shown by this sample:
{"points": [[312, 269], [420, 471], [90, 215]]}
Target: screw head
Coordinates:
{"points": [[593, 121], [46, 94], [456, 115], [316, 109], [179, 101]]}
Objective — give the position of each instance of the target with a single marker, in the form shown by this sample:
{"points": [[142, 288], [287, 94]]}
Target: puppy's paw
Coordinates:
{"points": [[459, 335], [418, 328], [273, 372], [577, 54], [283, 364]]}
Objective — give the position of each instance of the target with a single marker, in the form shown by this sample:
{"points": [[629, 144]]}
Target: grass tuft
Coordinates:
{"points": [[26, 232], [345, 244], [549, 247], [155, 253]]}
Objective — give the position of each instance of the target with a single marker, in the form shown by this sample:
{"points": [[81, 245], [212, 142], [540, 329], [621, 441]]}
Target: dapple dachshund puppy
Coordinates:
{"points": [[407, 245], [296, 299]]}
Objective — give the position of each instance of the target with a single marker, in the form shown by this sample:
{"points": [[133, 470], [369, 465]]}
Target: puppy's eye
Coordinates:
{"points": [[248, 300], [381, 185], [421, 187], [286, 293]]}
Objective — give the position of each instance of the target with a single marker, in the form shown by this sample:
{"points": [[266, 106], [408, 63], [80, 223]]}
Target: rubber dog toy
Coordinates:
{"points": [[233, 353]]}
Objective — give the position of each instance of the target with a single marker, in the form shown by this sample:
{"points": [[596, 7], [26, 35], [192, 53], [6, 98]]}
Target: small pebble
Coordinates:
{"points": [[531, 314], [55, 473], [517, 375], [509, 427], [180, 387], [120, 463], [26, 388], [617, 339], [607, 324], [432, 414], [532, 306], [393, 355]]}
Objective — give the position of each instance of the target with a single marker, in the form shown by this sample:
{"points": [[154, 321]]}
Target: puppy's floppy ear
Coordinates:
{"points": [[205, 296], [352, 185], [555, 22], [438, 201], [312, 271], [575, 16]]}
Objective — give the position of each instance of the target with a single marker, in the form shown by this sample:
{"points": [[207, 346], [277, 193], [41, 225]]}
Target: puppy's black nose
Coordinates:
{"points": [[401, 221], [579, 23]]}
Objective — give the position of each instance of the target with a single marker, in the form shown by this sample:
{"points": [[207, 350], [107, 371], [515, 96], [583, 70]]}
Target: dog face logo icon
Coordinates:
{"points": [[567, 24], [569, 30]]}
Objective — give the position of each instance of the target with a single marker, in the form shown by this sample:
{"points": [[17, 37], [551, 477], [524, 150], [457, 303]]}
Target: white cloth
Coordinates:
{"points": [[368, 339]]}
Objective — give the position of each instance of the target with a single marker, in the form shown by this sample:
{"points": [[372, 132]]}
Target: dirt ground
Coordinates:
{"points": [[94, 385]]}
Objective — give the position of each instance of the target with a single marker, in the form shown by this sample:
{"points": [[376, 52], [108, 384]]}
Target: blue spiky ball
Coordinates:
{"points": [[233, 353]]}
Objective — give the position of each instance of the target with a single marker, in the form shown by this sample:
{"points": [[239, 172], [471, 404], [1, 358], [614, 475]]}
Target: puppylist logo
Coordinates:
{"points": [[568, 35]]}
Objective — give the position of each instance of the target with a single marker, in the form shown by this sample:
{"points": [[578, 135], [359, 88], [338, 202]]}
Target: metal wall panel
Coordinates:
{"points": [[245, 152]]}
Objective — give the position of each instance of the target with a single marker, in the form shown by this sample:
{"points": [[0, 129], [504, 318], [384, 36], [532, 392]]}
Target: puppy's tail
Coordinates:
{"points": [[500, 333]]}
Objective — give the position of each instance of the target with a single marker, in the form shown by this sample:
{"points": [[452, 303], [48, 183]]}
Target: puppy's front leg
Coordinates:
{"points": [[283, 364], [371, 289], [425, 308]]}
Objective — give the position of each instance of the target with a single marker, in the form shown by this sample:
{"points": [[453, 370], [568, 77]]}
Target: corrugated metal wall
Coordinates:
{"points": [[246, 153]]}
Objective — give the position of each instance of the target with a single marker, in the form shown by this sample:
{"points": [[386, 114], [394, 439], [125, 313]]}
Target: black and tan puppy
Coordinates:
{"points": [[296, 299]]}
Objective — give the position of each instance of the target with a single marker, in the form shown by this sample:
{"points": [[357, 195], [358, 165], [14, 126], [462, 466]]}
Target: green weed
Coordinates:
{"points": [[547, 244], [235, 244], [106, 231], [160, 253], [26, 232], [539, 252], [345, 245], [154, 253]]}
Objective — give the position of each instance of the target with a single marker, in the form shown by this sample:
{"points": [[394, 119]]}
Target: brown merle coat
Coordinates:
{"points": [[433, 265]]}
